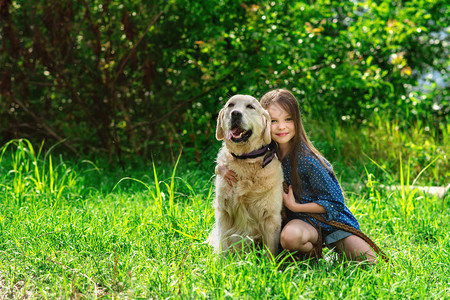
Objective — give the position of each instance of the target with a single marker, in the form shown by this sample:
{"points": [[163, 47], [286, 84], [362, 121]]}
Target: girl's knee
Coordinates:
{"points": [[290, 237], [286, 240], [293, 238]]}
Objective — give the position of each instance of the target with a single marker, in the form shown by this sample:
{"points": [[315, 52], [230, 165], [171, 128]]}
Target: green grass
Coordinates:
{"points": [[391, 144], [75, 230]]}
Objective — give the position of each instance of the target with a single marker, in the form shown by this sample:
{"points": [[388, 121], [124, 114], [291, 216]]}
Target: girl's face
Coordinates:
{"points": [[282, 127]]}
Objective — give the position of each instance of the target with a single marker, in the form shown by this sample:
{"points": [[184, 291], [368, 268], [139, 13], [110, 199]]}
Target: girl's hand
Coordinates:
{"points": [[289, 202], [289, 199], [227, 174]]}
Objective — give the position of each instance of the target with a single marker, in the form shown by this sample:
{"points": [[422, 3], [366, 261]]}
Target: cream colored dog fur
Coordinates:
{"points": [[250, 210]]}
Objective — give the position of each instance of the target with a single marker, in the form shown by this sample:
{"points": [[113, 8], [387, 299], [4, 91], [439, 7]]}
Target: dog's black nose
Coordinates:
{"points": [[236, 114]]}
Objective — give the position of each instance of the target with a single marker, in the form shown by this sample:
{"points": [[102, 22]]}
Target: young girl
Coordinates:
{"points": [[313, 187]]}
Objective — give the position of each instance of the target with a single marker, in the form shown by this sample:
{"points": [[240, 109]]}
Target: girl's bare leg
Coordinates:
{"points": [[299, 236], [355, 248]]}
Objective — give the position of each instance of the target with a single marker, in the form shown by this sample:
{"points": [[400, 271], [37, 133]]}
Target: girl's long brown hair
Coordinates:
{"points": [[288, 102]]}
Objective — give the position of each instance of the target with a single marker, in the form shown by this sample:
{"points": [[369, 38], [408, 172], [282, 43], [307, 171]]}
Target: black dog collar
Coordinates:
{"points": [[268, 151]]}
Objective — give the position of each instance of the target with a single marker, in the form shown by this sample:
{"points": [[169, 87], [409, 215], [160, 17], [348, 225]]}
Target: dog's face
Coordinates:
{"points": [[243, 120]]}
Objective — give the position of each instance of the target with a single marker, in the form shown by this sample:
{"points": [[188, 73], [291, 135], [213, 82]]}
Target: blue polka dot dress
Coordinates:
{"points": [[319, 185]]}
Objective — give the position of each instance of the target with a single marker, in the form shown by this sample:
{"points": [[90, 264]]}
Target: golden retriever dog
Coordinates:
{"points": [[249, 211]]}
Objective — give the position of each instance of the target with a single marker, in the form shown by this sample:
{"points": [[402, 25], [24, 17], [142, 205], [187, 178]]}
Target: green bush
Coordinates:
{"points": [[140, 77]]}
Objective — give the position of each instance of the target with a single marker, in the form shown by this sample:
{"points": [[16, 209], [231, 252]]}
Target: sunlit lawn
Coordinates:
{"points": [[74, 230]]}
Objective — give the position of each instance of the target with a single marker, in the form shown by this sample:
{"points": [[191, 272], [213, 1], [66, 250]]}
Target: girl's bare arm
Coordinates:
{"points": [[289, 202]]}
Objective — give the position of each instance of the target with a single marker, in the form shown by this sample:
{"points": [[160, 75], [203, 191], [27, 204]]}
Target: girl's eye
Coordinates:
{"points": [[289, 119], [273, 121], [250, 106]]}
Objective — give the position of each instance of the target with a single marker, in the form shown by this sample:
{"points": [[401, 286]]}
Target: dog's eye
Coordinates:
{"points": [[230, 104], [250, 106]]}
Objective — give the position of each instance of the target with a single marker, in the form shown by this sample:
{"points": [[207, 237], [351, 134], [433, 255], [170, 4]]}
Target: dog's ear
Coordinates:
{"points": [[266, 133], [220, 135]]}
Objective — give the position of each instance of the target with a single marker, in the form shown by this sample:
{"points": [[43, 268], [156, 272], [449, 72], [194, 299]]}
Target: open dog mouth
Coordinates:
{"points": [[237, 134]]}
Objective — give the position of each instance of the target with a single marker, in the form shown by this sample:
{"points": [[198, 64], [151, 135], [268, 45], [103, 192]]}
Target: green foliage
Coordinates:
{"points": [[387, 141], [141, 77]]}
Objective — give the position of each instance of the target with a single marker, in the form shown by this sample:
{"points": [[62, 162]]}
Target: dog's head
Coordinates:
{"points": [[243, 121]]}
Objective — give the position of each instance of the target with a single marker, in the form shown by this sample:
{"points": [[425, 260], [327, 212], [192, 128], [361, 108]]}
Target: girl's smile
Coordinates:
{"points": [[282, 126]]}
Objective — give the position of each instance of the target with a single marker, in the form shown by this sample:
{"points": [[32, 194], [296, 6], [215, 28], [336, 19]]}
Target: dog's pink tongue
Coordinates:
{"points": [[229, 135], [236, 131]]}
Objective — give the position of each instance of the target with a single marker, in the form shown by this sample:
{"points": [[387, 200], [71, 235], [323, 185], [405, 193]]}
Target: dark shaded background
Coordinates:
{"points": [[126, 78]]}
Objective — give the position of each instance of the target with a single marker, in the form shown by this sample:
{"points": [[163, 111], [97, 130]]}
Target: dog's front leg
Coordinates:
{"points": [[224, 230], [272, 234]]}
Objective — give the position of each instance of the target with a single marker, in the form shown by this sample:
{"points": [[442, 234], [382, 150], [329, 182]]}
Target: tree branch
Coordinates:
{"points": [[186, 102], [124, 62], [47, 128]]}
